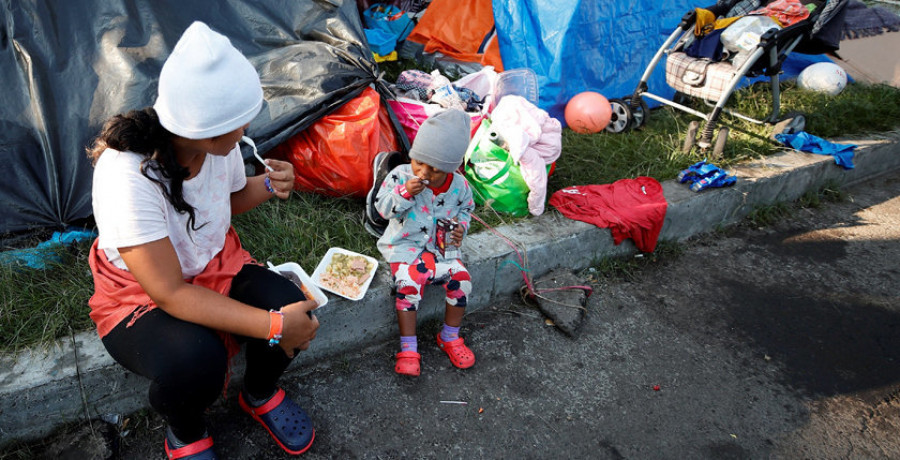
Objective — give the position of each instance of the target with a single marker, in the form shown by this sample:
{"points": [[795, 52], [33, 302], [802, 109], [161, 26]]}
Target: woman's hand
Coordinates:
{"points": [[280, 183], [415, 185], [281, 177], [299, 327]]}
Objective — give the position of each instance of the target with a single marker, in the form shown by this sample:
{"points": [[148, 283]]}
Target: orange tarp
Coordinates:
{"points": [[457, 28]]}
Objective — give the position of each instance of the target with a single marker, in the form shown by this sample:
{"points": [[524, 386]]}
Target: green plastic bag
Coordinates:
{"points": [[495, 179]]}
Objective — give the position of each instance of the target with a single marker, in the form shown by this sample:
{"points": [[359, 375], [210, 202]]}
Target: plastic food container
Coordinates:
{"points": [[326, 261], [520, 82], [290, 270]]}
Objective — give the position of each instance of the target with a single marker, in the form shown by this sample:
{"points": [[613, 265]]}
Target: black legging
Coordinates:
{"points": [[186, 363]]}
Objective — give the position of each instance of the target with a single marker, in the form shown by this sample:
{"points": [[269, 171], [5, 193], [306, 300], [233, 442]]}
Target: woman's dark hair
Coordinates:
{"points": [[139, 131]]}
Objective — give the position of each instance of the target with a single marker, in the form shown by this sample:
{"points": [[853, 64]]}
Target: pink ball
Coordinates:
{"points": [[588, 112]]}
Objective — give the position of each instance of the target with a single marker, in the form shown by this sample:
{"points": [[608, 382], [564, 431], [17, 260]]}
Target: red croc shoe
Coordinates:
{"points": [[460, 355], [408, 363]]}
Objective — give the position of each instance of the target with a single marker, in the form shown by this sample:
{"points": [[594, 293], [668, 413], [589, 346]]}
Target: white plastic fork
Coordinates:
{"points": [[424, 181], [252, 145]]}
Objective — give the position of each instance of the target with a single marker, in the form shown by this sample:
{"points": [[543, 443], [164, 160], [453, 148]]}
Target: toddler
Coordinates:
{"points": [[429, 206]]}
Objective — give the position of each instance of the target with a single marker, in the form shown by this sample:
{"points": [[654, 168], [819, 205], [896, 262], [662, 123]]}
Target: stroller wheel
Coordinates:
{"points": [[639, 114], [719, 145], [691, 138], [621, 117]]}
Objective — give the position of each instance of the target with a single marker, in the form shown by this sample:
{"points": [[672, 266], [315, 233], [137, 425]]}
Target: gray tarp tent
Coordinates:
{"points": [[65, 67]]}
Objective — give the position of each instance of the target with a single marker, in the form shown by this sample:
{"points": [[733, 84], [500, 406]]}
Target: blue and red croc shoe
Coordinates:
{"points": [[720, 178], [199, 450], [697, 171], [703, 175], [284, 420]]}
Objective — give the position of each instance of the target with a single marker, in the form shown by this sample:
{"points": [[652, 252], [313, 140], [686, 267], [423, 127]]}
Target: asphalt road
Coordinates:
{"points": [[774, 342]]}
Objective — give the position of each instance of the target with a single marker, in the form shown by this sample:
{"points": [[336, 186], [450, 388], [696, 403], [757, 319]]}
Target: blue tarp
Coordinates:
{"points": [[590, 45]]}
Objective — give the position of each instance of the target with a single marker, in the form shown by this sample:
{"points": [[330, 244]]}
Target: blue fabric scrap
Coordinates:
{"points": [[45, 252], [805, 142]]}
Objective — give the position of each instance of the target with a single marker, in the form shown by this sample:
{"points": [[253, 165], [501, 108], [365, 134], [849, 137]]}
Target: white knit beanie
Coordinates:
{"points": [[442, 140], [206, 86]]}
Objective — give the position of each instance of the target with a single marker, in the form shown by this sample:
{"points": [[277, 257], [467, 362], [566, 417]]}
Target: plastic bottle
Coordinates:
{"points": [[497, 139]]}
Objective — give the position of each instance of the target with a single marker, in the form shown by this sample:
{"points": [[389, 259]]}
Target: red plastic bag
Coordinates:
{"points": [[334, 156]]}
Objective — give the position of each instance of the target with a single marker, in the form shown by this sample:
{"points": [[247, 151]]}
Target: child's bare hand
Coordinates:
{"points": [[415, 185], [281, 177], [456, 236]]}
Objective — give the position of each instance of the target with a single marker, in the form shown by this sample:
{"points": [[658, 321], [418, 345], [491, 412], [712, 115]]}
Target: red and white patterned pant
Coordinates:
{"points": [[410, 281]]}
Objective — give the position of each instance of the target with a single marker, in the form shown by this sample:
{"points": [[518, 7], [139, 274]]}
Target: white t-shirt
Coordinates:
{"points": [[131, 210]]}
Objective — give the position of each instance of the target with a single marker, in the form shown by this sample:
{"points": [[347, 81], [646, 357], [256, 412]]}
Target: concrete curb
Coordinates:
{"points": [[75, 379]]}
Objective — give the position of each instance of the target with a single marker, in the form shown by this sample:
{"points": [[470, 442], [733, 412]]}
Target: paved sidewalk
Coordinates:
{"points": [[75, 379]]}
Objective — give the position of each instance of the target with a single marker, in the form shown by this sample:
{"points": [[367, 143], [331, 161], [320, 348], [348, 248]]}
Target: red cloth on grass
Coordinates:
{"points": [[630, 208]]}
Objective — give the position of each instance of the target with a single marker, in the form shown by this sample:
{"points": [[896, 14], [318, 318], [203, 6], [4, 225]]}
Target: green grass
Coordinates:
{"points": [[38, 306], [302, 229], [763, 216], [830, 192]]}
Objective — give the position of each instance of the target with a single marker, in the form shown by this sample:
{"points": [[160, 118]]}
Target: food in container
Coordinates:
{"points": [[345, 273]]}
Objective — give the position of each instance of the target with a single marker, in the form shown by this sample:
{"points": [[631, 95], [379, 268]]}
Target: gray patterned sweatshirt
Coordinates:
{"points": [[413, 220]]}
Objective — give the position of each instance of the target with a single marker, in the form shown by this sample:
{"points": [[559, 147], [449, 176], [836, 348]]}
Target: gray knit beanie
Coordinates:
{"points": [[442, 140], [206, 86]]}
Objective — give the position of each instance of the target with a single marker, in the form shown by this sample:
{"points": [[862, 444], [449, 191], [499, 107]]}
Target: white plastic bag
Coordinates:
{"points": [[438, 80], [447, 97], [744, 34], [481, 82]]}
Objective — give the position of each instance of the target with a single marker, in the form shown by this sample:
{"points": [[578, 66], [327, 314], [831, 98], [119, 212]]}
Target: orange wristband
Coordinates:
{"points": [[276, 327]]}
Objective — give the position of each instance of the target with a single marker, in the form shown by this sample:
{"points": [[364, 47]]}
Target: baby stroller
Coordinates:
{"points": [[714, 81]]}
